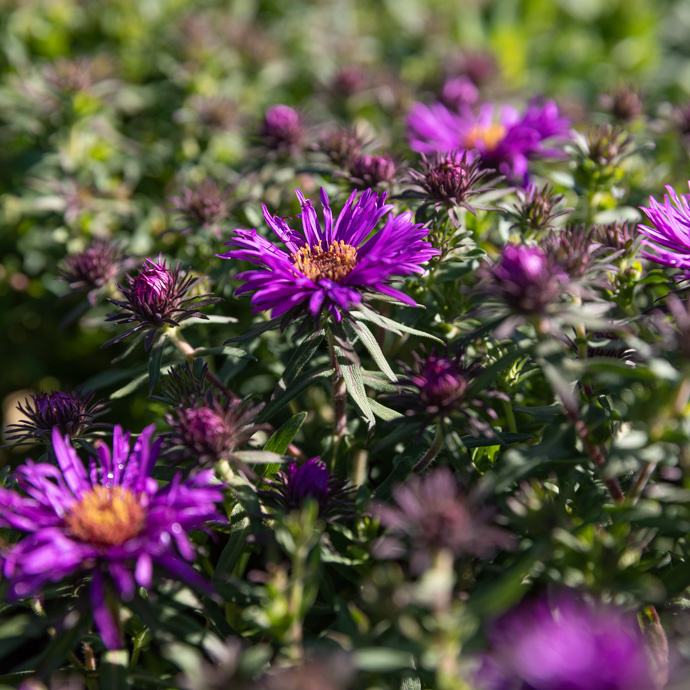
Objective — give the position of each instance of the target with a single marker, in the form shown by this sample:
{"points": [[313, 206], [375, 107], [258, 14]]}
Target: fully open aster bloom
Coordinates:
{"points": [[505, 143], [334, 266], [670, 230], [112, 522], [568, 645]]}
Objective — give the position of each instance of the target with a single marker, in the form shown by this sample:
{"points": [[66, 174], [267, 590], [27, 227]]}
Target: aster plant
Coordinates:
{"points": [[109, 525]]}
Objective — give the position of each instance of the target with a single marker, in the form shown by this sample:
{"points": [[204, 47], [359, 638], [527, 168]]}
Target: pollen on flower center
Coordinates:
{"points": [[490, 135], [334, 263], [106, 516]]}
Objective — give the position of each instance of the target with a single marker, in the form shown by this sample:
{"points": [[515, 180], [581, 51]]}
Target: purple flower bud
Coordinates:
{"points": [[93, 268], [341, 145], [157, 296], [368, 171], [72, 414], [201, 206], [282, 129]]}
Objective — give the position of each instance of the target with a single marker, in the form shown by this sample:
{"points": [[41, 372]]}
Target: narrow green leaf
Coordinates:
{"points": [[352, 374], [371, 344], [299, 359], [130, 387], [497, 440], [300, 384], [155, 360], [266, 326], [226, 350], [112, 671], [394, 326], [383, 412], [281, 439], [376, 380], [233, 550]]}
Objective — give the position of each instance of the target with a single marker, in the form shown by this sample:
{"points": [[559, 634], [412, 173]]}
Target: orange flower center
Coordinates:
{"points": [[106, 516], [489, 135], [334, 263]]}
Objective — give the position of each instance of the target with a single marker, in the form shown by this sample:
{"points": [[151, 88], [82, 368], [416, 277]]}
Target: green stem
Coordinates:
{"points": [[510, 416], [339, 399]]}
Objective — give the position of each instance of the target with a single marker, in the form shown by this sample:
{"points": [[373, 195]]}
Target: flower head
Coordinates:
{"points": [[201, 206], [341, 145], [72, 413], [371, 171], [459, 92], [450, 179], [569, 645], [282, 129], [210, 429], [157, 296], [505, 144], [617, 237], [669, 235], [93, 268], [432, 514], [334, 266], [525, 279], [310, 480], [624, 103], [537, 208], [112, 522]]}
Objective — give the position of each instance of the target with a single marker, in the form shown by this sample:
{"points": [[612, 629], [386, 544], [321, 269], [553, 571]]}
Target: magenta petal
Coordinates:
{"points": [[102, 616]]}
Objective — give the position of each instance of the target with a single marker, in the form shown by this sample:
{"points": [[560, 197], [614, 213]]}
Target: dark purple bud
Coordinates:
{"points": [[201, 206], [624, 103], [368, 171], [93, 268], [341, 145], [282, 129]]}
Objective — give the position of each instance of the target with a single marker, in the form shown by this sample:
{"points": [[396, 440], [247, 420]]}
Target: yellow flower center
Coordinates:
{"points": [[490, 135], [334, 263], [106, 516]]}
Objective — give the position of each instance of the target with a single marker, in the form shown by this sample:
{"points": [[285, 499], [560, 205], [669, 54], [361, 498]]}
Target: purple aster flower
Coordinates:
{"points": [[282, 129], [112, 522], [158, 296], [211, 429], [72, 414], [93, 268], [310, 480], [670, 230], [433, 514], [333, 266], [459, 92], [569, 645], [505, 144]]}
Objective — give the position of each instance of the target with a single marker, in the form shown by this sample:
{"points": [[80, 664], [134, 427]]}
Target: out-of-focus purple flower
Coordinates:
{"points": [[479, 67], [431, 515], [201, 206], [451, 180], [341, 145], [505, 144], [670, 230], [568, 645], [93, 268], [617, 237], [458, 93], [347, 81], [282, 129], [525, 279], [112, 522], [624, 103], [72, 413], [311, 479], [157, 296], [211, 428], [334, 266], [368, 171]]}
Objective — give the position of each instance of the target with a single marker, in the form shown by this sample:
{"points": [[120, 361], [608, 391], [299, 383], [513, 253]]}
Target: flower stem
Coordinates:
{"points": [[510, 416], [431, 454]]}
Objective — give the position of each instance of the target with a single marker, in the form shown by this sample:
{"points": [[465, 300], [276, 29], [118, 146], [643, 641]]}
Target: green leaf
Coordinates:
{"points": [[352, 375], [382, 659], [233, 550], [300, 358], [383, 412], [364, 314], [155, 360], [501, 438], [371, 344], [112, 671], [376, 380], [299, 385], [281, 439], [226, 350], [266, 326]]}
